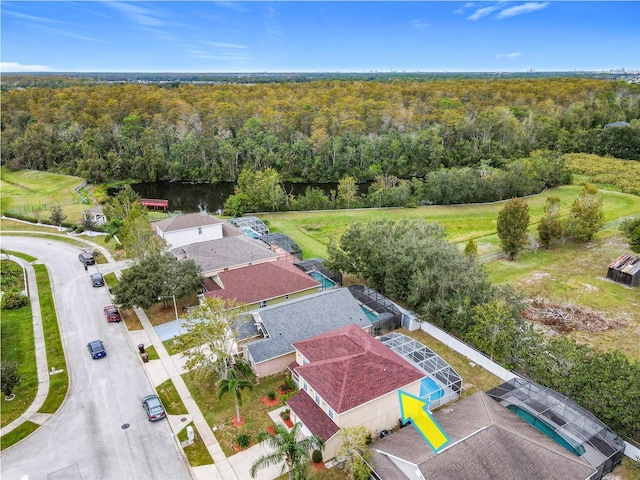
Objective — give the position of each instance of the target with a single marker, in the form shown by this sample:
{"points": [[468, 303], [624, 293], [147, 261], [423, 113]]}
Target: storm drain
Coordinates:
{"points": [[125, 426]]}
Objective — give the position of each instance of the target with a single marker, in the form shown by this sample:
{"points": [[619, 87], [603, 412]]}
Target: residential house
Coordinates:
{"points": [[348, 378], [284, 324], [262, 284], [96, 214], [190, 228]]}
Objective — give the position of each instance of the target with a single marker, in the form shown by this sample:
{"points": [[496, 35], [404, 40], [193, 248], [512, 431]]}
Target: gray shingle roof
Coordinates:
{"points": [[303, 318], [183, 222], [228, 252], [492, 442]]}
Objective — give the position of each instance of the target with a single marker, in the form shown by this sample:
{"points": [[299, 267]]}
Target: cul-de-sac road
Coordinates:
{"points": [[85, 439]]}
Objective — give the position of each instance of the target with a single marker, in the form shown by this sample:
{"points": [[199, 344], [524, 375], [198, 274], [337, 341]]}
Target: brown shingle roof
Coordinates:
{"points": [[348, 367], [260, 282], [312, 415]]}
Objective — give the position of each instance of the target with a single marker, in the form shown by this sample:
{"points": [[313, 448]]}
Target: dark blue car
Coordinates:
{"points": [[96, 349]]}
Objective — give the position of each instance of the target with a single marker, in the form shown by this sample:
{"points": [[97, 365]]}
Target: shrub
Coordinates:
{"points": [[316, 456], [9, 377], [243, 440], [14, 300], [271, 395], [286, 414], [290, 384]]}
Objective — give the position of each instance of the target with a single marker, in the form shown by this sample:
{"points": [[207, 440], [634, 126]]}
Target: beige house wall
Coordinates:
{"points": [[275, 365]]}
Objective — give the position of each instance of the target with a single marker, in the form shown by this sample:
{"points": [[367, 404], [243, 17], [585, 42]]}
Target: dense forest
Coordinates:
{"points": [[315, 131]]}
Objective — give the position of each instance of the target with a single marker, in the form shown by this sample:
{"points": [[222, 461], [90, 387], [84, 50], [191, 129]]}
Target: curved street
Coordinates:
{"points": [[87, 438]]}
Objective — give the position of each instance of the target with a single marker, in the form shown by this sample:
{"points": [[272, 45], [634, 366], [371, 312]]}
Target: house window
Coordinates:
{"points": [[331, 413], [263, 303], [305, 386], [286, 297], [317, 398], [199, 230]]}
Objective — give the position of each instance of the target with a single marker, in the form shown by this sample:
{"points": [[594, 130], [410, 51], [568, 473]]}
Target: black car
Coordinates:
{"points": [[87, 258], [96, 349], [154, 407], [97, 280]]}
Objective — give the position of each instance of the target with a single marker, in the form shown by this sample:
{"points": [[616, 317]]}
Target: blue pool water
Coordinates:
{"points": [[324, 281], [370, 315], [548, 430], [430, 390]]}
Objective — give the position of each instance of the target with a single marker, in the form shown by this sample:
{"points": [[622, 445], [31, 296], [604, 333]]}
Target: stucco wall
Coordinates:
{"points": [[185, 237]]}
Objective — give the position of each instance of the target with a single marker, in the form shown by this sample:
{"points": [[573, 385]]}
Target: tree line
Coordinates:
{"points": [[320, 131]]}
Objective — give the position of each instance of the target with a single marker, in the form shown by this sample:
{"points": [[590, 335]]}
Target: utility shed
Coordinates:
{"points": [[625, 269]]}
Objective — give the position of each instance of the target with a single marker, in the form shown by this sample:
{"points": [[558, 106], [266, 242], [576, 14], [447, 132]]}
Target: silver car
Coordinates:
{"points": [[154, 407]]}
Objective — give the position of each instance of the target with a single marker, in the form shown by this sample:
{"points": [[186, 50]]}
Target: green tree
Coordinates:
{"points": [[211, 335], [9, 376], [287, 448], [513, 221], [258, 191], [156, 275], [631, 229], [137, 236], [57, 215], [586, 217], [550, 227], [471, 248], [87, 222], [234, 385], [122, 204], [495, 329], [347, 192], [355, 451]]}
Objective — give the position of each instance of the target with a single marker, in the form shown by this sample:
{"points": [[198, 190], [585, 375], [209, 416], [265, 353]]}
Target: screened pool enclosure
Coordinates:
{"points": [[251, 226], [442, 383], [563, 420]]}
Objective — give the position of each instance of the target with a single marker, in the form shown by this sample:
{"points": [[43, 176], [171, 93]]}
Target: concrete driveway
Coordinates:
{"points": [[101, 430]]}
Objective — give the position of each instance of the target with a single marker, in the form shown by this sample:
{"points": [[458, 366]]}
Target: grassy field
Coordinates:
{"points": [[314, 230]]}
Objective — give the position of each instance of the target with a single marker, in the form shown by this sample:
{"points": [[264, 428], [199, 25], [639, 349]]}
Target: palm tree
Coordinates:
{"points": [[286, 447], [234, 385]]}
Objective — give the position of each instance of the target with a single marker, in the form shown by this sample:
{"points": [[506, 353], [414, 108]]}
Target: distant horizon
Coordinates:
{"points": [[235, 37]]}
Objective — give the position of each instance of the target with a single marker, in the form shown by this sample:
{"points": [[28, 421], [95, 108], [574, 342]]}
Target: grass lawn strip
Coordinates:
{"points": [[18, 434], [17, 345], [197, 452], [170, 397], [59, 383]]}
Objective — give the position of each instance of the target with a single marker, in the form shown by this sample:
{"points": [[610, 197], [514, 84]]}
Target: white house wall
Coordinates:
{"points": [[179, 238]]}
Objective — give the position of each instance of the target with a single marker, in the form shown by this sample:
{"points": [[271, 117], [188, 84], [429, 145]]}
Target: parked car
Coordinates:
{"points": [[87, 258], [97, 280], [154, 407], [112, 313], [96, 349]]}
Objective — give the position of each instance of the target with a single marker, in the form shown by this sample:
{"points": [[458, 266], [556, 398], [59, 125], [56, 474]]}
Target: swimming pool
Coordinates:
{"points": [[430, 390], [324, 281], [371, 315]]}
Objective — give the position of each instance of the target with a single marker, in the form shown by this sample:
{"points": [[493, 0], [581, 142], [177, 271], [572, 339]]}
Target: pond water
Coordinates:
{"points": [[194, 197]]}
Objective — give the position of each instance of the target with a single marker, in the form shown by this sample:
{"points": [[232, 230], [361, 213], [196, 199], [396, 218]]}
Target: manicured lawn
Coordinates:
{"points": [[169, 396], [220, 413], [197, 452], [16, 331], [18, 434], [314, 230]]}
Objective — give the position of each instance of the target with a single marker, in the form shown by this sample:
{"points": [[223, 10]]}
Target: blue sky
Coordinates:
{"points": [[305, 36]]}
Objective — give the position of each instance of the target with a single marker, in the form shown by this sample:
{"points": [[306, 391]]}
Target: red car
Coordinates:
{"points": [[112, 313]]}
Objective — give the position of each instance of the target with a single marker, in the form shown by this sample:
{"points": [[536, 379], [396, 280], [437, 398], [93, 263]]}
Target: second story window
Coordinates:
{"points": [[199, 230], [263, 303]]}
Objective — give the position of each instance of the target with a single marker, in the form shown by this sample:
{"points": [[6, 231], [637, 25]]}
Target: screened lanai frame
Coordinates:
{"points": [[251, 226], [284, 242], [565, 421], [428, 362], [317, 265], [389, 316]]}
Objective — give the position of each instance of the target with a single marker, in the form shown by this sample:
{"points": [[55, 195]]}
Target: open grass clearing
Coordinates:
{"points": [[314, 230], [219, 414], [575, 274]]}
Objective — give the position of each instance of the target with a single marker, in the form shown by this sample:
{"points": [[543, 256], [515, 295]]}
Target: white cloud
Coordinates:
{"points": [[19, 67], [225, 45], [509, 55], [418, 23], [138, 14], [461, 9], [522, 9], [482, 12]]}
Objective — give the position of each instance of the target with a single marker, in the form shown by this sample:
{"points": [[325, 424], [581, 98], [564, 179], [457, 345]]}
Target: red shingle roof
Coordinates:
{"points": [[260, 282], [348, 367], [312, 415]]}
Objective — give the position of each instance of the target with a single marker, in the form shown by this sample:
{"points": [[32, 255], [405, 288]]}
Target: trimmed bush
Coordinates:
{"points": [[316, 456], [243, 440]]}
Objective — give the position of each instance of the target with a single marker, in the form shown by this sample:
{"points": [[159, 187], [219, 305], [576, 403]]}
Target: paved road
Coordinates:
{"points": [[85, 438]]}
